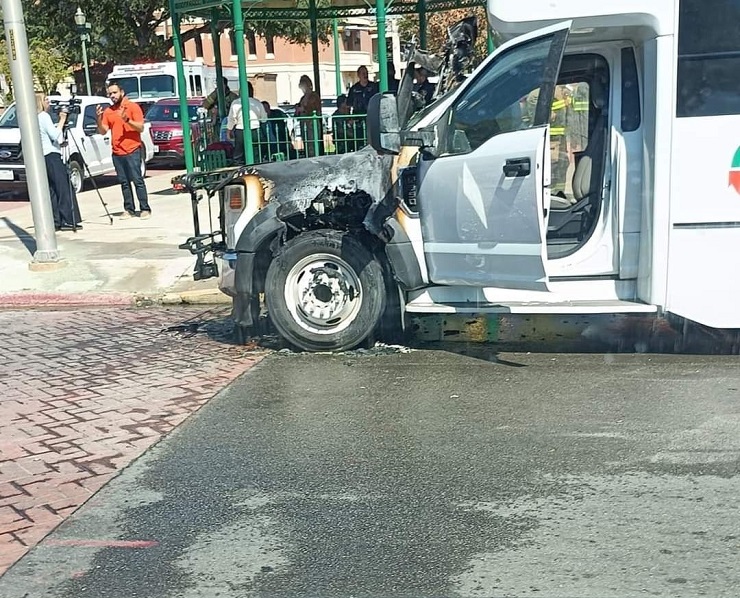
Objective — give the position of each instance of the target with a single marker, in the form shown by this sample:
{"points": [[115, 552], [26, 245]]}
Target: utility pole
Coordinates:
{"points": [[23, 87]]}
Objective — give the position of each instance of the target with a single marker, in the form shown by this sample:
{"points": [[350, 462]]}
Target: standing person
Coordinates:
{"points": [[360, 93], [358, 98], [235, 123], [125, 121], [309, 106], [64, 206], [342, 127], [277, 127], [210, 103]]}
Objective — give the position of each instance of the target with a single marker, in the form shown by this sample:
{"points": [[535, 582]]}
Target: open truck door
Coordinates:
{"points": [[483, 189]]}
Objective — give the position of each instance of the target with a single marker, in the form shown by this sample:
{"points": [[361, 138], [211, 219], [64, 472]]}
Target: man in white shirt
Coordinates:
{"points": [[235, 122]]}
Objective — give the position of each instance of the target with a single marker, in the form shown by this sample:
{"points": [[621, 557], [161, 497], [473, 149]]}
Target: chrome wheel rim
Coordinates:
{"points": [[323, 293], [76, 177]]}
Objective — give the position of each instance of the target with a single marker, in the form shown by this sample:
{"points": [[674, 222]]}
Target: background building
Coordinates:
{"points": [[275, 65]]}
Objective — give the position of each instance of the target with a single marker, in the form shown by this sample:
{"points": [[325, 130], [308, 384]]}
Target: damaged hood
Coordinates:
{"points": [[296, 183]]}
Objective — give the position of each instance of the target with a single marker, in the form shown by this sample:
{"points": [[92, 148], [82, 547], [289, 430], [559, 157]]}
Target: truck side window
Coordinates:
{"points": [[630, 92], [501, 100], [89, 121]]}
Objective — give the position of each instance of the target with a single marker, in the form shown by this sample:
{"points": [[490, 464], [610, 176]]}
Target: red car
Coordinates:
{"points": [[166, 128]]}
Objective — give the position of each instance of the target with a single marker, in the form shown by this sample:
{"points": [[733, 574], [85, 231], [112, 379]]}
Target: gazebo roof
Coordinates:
{"points": [[257, 10]]}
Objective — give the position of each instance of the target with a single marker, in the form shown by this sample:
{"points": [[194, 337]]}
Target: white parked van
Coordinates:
{"points": [[85, 145]]}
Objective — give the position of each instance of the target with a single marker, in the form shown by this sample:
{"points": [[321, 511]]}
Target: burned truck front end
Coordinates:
{"points": [[326, 240], [337, 204]]}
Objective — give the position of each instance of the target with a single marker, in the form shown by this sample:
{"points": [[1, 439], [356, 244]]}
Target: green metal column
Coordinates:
{"points": [[422, 8], [382, 53], [216, 42], [236, 8], [314, 46], [337, 67], [181, 88], [489, 41]]}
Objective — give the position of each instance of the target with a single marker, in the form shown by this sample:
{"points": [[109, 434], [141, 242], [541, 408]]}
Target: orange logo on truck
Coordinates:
{"points": [[735, 171]]}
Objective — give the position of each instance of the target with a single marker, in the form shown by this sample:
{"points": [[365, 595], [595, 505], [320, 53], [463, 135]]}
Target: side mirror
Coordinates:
{"points": [[383, 130]]}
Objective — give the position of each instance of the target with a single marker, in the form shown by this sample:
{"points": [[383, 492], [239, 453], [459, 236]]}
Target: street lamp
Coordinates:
{"points": [[83, 29]]}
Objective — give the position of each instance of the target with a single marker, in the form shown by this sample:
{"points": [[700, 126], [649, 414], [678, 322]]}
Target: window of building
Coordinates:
{"points": [[270, 44], [232, 42], [251, 43], [198, 46], [351, 40]]}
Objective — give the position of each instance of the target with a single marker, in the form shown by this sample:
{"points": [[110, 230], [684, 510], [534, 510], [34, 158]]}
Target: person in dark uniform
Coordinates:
{"points": [[358, 98], [342, 128]]}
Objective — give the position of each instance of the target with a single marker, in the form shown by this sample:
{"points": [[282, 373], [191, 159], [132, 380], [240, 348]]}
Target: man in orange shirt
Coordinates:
{"points": [[125, 120]]}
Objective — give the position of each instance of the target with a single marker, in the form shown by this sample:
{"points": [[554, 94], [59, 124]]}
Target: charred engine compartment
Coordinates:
{"points": [[333, 208]]}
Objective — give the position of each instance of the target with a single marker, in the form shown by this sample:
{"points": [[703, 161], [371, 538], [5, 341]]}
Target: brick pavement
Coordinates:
{"points": [[85, 392]]}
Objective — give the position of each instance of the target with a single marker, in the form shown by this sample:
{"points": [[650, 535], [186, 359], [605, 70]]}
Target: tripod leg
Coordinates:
{"points": [[92, 179]]}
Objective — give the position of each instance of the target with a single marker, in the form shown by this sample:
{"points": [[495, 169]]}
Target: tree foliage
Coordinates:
{"points": [[437, 25], [126, 31], [48, 64]]}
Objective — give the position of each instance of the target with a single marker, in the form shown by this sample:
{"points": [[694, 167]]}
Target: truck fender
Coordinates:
{"points": [[262, 229]]}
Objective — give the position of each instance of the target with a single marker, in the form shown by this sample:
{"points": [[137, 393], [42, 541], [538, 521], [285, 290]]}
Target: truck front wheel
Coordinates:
{"points": [[325, 291], [76, 175]]}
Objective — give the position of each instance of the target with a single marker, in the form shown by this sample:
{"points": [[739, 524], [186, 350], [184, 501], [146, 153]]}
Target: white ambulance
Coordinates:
{"points": [[155, 80]]}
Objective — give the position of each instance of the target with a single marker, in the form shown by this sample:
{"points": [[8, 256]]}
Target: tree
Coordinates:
{"points": [[48, 65], [437, 25], [126, 31]]}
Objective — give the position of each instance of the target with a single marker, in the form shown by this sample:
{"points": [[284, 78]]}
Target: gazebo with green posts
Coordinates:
{"points": [[237, 12]]}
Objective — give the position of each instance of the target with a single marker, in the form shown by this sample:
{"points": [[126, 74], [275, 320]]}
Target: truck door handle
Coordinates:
{"points": [[515, 167]]}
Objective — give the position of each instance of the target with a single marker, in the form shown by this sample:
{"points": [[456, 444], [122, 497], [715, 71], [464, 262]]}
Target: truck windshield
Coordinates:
{"points": [[129, 84], [169, 113], [9, 119], [157, 86]]}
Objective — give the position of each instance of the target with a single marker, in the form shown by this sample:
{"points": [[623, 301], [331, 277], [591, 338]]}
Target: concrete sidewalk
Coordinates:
{"points": [[128, 262]]}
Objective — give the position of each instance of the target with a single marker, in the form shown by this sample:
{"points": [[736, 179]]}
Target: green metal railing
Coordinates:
{"points": [[280, 139]]}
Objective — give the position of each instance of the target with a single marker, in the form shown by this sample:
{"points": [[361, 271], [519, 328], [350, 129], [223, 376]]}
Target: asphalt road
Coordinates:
{"points": [[428, 474]]}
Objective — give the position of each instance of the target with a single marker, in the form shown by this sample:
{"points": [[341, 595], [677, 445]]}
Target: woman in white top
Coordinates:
{"points": [[63, 200]]}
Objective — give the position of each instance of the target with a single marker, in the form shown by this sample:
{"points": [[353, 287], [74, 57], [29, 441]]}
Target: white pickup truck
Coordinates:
{"points": [[85, 145]]}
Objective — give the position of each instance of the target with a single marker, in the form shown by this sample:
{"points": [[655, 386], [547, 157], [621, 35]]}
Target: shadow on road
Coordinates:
{"points": [[23, 235], [584, 335]]}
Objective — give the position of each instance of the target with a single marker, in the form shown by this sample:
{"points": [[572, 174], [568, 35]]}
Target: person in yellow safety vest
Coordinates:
{"points": [[558, 129], [578, 118], [558, 139]]}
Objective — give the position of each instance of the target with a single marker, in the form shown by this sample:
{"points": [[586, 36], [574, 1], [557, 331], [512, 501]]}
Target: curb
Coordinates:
{"points": [[30, 299], [196, 297], [40, 299]]}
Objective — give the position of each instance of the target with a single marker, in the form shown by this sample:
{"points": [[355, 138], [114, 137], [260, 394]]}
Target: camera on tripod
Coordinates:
{"points": [[71, 106]]}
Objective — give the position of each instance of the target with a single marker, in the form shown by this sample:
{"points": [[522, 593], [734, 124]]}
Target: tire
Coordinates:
{"points": [[325, 291], [76, 175]]}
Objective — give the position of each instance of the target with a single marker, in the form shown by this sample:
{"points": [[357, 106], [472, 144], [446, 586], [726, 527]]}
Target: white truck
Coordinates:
{"points": [[486, 202], [85, 145]]}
